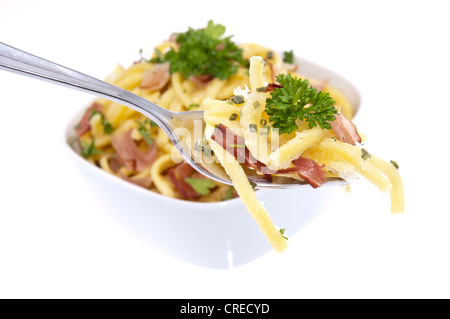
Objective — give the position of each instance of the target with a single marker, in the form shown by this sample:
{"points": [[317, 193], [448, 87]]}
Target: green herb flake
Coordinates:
{"points": [[263, 122], [282, 230], [395, 164], [229, 193], [270, 55], [263, 131], [88, 149], [296, 99], [237, 99], [253, 184], [202, 186], [202, 147], [261, 89], [233, 117], [364, 154], [145, 133], [256, 104], [252, 128], [107, 127], [288, 56]]}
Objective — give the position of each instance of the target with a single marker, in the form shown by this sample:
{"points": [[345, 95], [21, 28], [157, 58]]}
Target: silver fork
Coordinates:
{"points": [[18, 61]]}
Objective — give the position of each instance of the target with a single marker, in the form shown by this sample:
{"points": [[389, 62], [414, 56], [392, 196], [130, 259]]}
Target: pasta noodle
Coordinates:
{"points": [[124, 143]]}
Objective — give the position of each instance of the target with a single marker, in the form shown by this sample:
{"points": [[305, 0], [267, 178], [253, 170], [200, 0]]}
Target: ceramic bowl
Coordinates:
{"points": [[212, 235]]}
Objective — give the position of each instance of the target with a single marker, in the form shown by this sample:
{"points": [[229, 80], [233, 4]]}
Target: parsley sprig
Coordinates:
{"points": [[145, 132], [296, 99], [107, 127], [202, 186], [89, 149], [204, 52]]}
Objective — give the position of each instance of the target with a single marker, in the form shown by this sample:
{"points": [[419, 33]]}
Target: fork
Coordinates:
{"points": [[18, 61]]}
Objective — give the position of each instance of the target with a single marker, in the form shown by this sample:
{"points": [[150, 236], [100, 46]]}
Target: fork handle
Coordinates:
{"points": [[18, 61]]}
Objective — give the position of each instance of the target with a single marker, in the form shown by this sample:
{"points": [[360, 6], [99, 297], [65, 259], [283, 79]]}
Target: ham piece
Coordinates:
{"points": [[344, 130], [84, 125], [144, 182], [178, 175], [156, 78], [307, 169], [129, 155]]}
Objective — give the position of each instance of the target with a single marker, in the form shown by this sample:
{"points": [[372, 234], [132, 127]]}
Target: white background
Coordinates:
{"points": [[58, 241]]}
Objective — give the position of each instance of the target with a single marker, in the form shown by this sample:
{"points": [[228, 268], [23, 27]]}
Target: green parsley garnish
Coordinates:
{"points": [[229, 194], [288, 56], [107, 127], [205, 52], [364, 154], [158, 58], [88, 149], [146, 134], [298, 100], [201, 185]]}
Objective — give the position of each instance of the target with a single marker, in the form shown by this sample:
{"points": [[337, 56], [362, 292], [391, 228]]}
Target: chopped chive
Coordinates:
{"points": [[282, 230], [261, 89], [200, 146], [395, 164], [237, 99], [253, 184], [233, 117], [264, 130], [365, 155], [256, 104], [208, 152], [252, 127], [270, 55], [263, 122]]}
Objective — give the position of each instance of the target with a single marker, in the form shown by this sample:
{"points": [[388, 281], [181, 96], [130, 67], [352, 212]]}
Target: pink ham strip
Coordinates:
{"points": [[345, 130], [129, 155], [156, 78], [144, 182], [307, 169], [178, 175], [84, 125]]}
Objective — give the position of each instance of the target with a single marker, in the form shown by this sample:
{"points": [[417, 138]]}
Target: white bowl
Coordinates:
{"points": [[213, 235]]}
